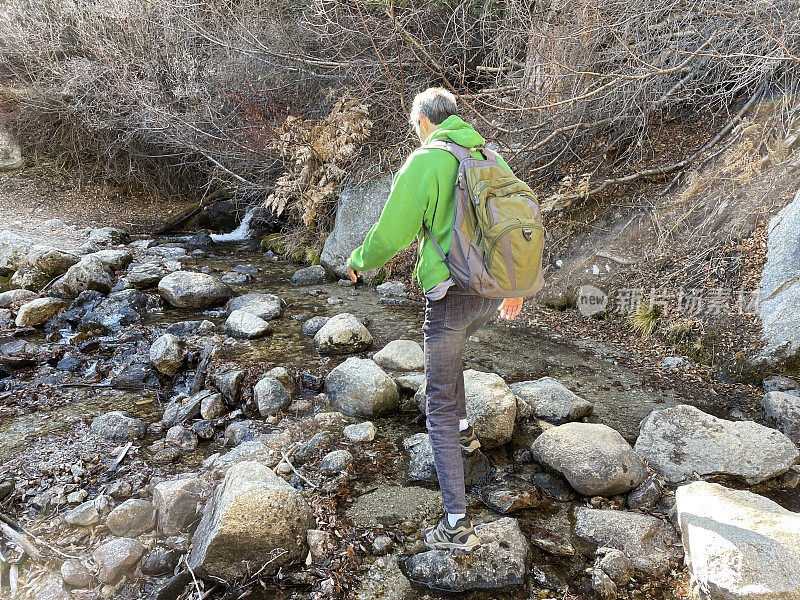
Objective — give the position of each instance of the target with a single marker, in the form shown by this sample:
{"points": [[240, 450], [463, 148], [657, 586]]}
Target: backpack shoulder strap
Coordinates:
{"points": [[460, 152]]}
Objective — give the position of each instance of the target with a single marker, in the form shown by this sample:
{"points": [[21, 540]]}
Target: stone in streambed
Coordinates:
{"points": [[595, 459], [499, 563], [782, 410], [242, 324], [189, 289], [116, 558], [551, 400], [360, 432], [167, 353], [270, 396], [132, 518], [254, 516], [118, 426], [264, 306], [359, 387], [38, 311], [421, 467], [342, 334], [683, 440], [401, 355]]}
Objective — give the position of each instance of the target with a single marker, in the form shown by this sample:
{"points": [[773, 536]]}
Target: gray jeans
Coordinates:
{"points": [[448, 323]]}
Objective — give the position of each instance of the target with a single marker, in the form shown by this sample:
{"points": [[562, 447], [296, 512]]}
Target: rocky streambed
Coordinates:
{"points": [[182, 418]]}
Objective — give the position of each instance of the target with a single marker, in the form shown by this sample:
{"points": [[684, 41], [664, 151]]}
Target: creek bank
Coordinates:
{"points": [[260, 443]]}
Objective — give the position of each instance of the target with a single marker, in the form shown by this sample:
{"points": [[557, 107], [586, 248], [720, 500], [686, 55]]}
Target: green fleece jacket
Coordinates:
{"points": [[423, 191]]}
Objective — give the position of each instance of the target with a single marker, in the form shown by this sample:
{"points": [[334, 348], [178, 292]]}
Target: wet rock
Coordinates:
{"points": [[118, 426], [615, 564], [212, 406], [683, 440], [136, 376], [132, 518], [108, 236], [499, 563], [270, 396], [491, 407], [167, 354], [116, 558], [342, 334], [477, 467], [254, 516], [360, 432], [188, 289], [38, 311], [181, 409], [312, 275], [771, 384], [264, 306], [395, 289], [17, 295], [335, 462], [177, 502], [511, 495], [145, 275], [320, 544], [313, 325], [18, 354], [75, 575], [594, 458], [229, 384], [90, 273], [358, 207], [650, 543], [203, 429], [551, 542], [359, 387], [739, 545], [50, 261], [551, 400], [124, 307], [239, 432], [160, 561], [241, 324], [167, 455], [83, 515], [646, 496], [782, 410], [401, 355], [182, 438]]}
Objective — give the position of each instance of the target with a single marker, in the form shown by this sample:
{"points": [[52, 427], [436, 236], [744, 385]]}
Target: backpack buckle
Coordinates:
{"points": [[527, 233]]}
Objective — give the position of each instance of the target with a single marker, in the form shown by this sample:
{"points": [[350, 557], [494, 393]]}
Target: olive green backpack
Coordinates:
{"points": [[498, 237]]}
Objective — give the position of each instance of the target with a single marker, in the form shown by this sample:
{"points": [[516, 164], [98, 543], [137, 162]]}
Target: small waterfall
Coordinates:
{"points": [[241, 232]]}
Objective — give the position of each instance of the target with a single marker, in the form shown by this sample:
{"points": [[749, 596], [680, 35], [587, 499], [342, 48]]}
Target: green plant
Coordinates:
{"points": [[645, 320]]}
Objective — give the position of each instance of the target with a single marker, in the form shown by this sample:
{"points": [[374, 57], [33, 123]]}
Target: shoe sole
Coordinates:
{"points": [[456, 549]]}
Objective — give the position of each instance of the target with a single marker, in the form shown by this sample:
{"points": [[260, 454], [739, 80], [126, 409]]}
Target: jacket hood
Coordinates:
{"points": [[457, 130]]}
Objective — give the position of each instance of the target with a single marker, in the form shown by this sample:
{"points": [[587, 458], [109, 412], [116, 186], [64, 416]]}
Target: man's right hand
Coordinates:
{"points": [[353, 274]]}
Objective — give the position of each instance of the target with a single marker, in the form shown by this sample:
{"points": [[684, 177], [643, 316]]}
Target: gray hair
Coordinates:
{"points": [[435, 103]]}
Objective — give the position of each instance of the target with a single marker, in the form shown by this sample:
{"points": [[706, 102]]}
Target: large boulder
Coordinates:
{"points": [[188, 289], [739, 545], [255, 519], [650, 543], [683, 440], [551, 400], [264, 306], [51, 261], [498, 564], [342, 334], [491, 407], [358, 209], [401, 355], [782, 410], [359, 387], [38, 311], [594, 458], [89, 273], [779, 291]]}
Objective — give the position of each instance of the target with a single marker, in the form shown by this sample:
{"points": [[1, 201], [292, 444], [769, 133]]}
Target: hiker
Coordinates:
{"points": [[422, 198]]}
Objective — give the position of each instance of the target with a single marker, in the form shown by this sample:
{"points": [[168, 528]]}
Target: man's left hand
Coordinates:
{"points": [[353, 274], [510, 308]]}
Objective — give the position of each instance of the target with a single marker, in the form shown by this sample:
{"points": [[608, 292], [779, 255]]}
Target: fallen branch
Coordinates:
{"points": [[298, 473]]}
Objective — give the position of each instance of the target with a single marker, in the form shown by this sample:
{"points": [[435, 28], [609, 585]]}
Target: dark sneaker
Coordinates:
{"points": [[461, 539], [469, 441]]}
